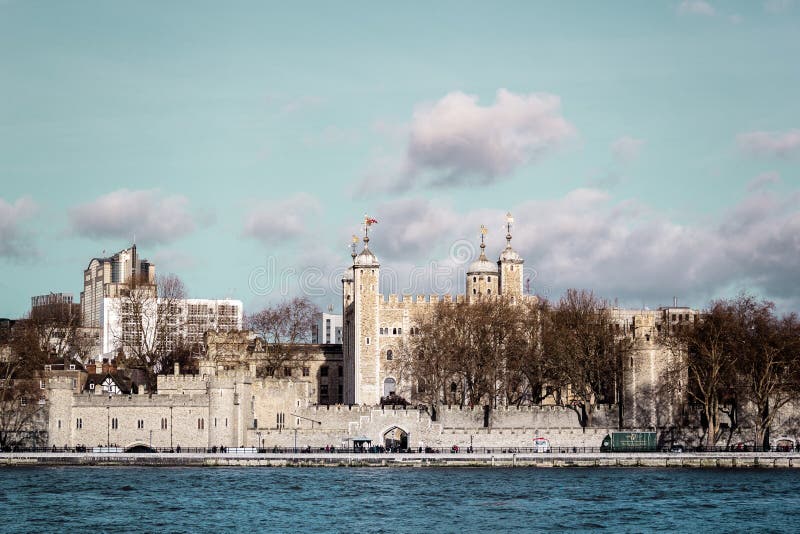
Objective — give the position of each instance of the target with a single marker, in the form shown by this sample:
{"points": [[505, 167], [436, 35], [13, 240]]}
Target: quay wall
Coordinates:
{"points": [[592, 460]]}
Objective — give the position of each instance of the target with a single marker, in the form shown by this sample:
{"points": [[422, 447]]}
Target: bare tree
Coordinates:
{"points": [[585, 352], [150, 323], [22, 360], [768, 358], [706, 352], [285, 327]]}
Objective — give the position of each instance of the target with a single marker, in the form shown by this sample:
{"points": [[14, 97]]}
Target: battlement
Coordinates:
{"points": [[139, 401]]}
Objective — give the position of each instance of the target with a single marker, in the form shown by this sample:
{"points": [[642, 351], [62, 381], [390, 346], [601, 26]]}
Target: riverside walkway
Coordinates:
{"points": [[350, 459]]}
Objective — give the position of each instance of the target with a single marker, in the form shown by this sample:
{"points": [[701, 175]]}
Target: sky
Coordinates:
{"points": [[646, 150]]}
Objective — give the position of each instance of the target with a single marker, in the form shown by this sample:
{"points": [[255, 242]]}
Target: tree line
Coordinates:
{"points": [[737, 358]]}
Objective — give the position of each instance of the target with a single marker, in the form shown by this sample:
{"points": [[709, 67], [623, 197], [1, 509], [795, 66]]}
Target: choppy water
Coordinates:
{"points": [[396, 500]]}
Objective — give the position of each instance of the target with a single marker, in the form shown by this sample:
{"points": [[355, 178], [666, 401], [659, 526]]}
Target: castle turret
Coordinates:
{"points": [[482, 275], [361, 319], [510, 266]]}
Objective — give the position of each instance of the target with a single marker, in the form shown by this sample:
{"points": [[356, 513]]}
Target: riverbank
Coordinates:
{"points": [[660, 460]]}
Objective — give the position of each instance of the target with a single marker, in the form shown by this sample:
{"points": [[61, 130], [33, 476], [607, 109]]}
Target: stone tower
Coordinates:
{"points": [[482, 276], [510, 266], [361, 296]]}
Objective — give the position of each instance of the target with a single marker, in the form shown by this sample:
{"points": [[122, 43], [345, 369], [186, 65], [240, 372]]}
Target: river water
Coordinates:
{"points": [[429, 500]]}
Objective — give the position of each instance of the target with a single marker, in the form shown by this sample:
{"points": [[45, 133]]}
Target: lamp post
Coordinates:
{"points": [[295, 427]]}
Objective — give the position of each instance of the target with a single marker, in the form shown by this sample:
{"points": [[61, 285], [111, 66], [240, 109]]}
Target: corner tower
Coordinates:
{"points": [[361, 299], [482, 276], [510, 266]]}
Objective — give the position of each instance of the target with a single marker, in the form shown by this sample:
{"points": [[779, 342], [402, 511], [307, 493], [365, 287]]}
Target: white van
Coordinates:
{"points": [[541, 445]]}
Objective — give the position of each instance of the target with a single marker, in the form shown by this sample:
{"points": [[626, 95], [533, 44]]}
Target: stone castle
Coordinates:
{"points": [[334, 399]]}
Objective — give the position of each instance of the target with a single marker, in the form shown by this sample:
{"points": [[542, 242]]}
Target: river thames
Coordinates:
{"points": [[109, 499]]}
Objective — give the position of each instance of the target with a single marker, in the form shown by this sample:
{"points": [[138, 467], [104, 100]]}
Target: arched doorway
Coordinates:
{"points": [[395, 439], [139, 448], [389, 386]]}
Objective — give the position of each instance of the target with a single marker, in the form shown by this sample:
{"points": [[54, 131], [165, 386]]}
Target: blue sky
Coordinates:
{"points": [[646, 149]]}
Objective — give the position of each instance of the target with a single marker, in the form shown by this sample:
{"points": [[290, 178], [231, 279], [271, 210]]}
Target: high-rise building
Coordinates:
{"points": [[104, 277], [327, 328]]}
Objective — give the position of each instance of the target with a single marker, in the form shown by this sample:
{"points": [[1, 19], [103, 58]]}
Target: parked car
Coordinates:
{"points": [[541, 445]]}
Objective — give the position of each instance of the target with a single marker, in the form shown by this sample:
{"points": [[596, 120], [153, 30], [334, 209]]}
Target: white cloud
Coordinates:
{"points": [[14, 241], [696, 7], [281, 220], [148, 214], [762, 143], [620, 249], [455, 141], [626, 149], [763, 180]]}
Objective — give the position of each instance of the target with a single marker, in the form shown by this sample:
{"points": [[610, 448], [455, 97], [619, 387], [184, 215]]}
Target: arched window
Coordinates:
{"points": [[389, 386], [488, 291], [474, 278], [488, 278], [389, 354], [474, 291], [394, 331]]}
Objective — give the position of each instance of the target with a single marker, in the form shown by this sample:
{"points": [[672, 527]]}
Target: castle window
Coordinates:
{"points": [[59, 424], [164, 423], [488, 278], [201, 424], [400, 331], [140, 423], [394, 331], [512, 267], [79, 423], [287, 371], [367, 341], [474, 291], [114, 423], [389, 354], [488, 291], [306, 371], [474, 279]]}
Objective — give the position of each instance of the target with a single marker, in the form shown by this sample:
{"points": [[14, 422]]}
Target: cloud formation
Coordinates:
{"points": [[148, 214], [620, 249], [696, 7], [281, 220], [626, 149], [14, 241], [764, 180], [456, 141], [781, 144]]}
